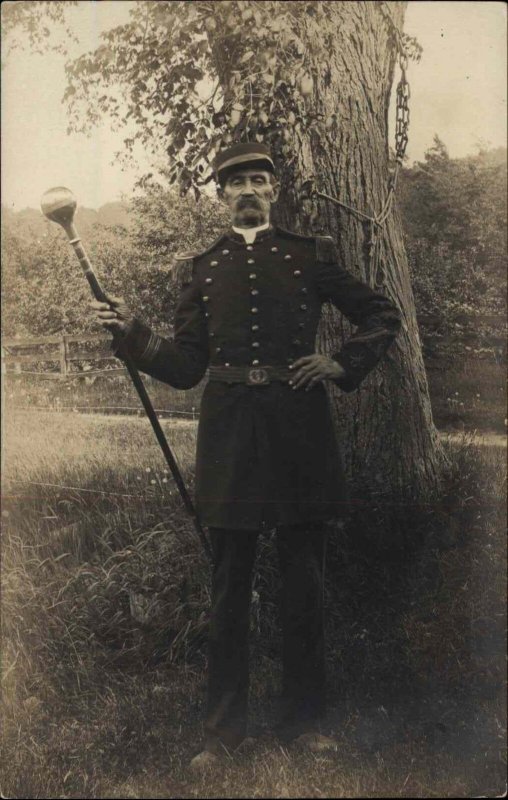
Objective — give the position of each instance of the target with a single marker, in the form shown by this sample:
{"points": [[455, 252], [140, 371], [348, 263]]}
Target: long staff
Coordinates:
{"points": [[59, 205]]}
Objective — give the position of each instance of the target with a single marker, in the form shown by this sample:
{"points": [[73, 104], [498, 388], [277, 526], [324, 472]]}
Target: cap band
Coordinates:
{"points": [[242, 159]]}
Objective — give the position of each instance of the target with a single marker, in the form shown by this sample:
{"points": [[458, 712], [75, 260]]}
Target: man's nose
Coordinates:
{"points": [[248, 188]]}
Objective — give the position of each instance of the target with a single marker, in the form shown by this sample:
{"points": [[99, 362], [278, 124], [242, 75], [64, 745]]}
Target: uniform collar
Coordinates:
{"points": [[263, 232]]}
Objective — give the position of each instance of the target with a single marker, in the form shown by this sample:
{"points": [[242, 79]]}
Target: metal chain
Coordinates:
{"points": [[402, 116]]}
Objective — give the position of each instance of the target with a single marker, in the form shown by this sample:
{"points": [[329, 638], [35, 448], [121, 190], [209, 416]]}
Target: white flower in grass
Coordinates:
{"points": [[152, 481], [148, 469], [139, 477], [164, 480]]}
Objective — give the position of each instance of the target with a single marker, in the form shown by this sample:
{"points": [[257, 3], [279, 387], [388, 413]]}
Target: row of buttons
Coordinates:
{"points": [[254, 292]]}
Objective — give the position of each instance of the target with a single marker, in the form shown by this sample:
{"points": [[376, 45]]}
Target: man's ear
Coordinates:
{"points": [[275, 191]]}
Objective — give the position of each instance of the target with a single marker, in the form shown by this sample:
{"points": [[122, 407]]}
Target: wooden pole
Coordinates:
{"points": [[63, 357]]}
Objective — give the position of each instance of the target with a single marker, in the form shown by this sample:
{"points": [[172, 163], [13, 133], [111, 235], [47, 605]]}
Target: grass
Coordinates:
{"points": [[468, 396], [105, 600], [98, 392], [465, 396]]}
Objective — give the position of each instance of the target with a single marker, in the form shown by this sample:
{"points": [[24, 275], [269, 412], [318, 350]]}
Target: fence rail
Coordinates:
{"points": [[14, 354]]}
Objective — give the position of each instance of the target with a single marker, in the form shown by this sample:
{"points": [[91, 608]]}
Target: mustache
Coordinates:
{"points": [[248, 202]]}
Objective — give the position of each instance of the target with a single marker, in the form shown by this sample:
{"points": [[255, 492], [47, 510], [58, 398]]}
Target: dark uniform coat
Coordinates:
{"points": [[265, 454]]}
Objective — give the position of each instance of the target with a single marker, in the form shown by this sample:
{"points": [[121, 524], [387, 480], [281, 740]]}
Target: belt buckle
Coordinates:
{"points": [[258, 377]]}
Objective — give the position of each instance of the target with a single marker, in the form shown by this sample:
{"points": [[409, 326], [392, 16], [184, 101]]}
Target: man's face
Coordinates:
{"points": [[249, 194]]}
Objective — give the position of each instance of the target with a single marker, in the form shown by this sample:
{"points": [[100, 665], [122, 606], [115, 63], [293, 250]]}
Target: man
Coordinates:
{"points": [[266, 452]]}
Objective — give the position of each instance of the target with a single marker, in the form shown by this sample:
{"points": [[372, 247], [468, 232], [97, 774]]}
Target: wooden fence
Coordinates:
{"points": [[59, 356]]}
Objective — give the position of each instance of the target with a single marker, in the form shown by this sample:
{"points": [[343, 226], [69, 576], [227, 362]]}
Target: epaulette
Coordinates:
{"points": [[184, 267], [220, 239], [325, 250], [293, 235], [185, 261]]}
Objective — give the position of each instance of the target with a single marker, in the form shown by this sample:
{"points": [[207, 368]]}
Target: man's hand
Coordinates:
{"points": [[313, 369], [114, 315]]}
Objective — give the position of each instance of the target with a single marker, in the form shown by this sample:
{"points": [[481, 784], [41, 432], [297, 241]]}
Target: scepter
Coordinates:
{"points": [[58, 205]]}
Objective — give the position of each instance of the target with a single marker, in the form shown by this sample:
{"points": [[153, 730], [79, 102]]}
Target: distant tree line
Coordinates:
{"points": [[454, 213]]}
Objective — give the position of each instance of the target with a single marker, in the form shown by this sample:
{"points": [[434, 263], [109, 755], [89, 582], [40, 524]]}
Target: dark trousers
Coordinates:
{"points": [[301, 552]]}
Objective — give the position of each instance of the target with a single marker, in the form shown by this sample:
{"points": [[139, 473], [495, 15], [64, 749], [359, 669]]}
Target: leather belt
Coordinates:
{"points": [[251, 376]]}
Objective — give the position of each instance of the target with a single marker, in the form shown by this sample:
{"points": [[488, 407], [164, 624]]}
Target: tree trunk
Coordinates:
{"points": [[385, 428]]}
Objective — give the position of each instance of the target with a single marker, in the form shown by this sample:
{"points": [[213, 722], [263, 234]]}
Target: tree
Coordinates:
{"points": [[313, 79], [43, 288], [454, 214]]}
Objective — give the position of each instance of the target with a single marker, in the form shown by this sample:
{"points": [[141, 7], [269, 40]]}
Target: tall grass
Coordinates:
{"points": [[105, 602]]}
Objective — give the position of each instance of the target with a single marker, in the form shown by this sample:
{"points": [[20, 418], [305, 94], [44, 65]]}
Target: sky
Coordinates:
{"points": [[458, 91]]}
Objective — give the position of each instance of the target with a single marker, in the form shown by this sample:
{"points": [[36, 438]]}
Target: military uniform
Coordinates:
{"points": [[265, 453]]}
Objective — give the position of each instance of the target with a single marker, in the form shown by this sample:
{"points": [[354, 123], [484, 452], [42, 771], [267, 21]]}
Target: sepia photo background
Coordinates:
{"points": [[105, 588]]}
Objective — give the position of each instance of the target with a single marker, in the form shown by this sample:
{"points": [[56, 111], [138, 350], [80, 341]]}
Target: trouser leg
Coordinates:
{"points": [[301, 557], [228, 645]]}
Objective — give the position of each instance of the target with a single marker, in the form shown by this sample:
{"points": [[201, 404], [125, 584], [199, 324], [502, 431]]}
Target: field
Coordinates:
{"points": [[105, 595]]}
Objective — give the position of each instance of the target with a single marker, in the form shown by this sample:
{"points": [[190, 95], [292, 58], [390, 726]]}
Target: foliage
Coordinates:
{"points": [[195, 78], [32, 20], [454, 214], [44, 291], [188, 78]]}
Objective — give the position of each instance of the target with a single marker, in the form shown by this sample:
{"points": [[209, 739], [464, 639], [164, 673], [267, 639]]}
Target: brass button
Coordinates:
{"points": [[249, 247], [214, 263], [253, 276], [206, 299], [225, 252], [255, 363], [250, 261], [275, 249], [254, 327], [303, 307], [297, 273], [287, 257], [227, 364], [254, 292], [208, 280], [207, 314], [253, 311], [304, 290], [255, 344], [218, 349]]}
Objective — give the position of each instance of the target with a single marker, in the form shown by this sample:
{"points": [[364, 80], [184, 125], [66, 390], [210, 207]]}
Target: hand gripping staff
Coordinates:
{"points": [[59, 205]]}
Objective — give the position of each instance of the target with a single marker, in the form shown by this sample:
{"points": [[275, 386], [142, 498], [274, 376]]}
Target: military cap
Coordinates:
{"points": [[245, 155]]}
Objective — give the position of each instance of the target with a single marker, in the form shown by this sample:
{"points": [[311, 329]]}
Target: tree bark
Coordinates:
{"points": [[385, 428]]}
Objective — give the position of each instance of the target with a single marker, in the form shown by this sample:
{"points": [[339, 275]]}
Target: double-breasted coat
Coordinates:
{"points": [[265, 453]]}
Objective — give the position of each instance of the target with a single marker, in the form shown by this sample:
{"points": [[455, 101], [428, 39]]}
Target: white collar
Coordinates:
{"points": [[249, 234]]}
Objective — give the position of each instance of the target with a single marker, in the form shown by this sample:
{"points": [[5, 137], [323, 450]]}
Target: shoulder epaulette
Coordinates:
{"points": [[220, 239], [184, 268], [293, 235], [187, 256], [325, 250]]}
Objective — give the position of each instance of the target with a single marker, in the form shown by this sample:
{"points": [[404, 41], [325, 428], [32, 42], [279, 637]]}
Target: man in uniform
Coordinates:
{"points": [[266, 450]]}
